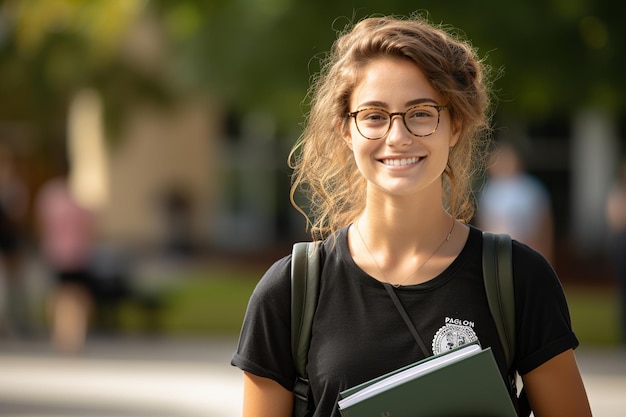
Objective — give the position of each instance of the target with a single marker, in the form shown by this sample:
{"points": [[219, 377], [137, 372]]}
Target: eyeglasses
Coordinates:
{"points": [[374, 123]]}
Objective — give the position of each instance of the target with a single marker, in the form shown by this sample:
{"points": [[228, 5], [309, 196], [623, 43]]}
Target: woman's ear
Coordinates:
{"points": [[346, 134], [455, 133]]}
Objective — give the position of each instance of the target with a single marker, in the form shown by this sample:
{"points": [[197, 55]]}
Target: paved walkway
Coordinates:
{"points": [[604, 374], [166, 378], [134, 378]]}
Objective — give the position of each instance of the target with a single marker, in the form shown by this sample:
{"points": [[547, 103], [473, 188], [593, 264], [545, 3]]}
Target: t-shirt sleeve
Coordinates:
{"points": [[264, 347], [543, 323]]}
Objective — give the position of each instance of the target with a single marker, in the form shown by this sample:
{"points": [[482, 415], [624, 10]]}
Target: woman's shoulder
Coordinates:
{"points": [[275, 280], [529, 259], [527, 262], [522, 253]]}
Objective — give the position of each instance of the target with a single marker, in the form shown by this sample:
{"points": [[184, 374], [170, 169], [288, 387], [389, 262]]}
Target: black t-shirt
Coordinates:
{"points": [[358, 333]]}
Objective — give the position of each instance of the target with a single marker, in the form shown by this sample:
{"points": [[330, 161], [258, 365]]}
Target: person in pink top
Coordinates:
{"points": [[66, 239]]}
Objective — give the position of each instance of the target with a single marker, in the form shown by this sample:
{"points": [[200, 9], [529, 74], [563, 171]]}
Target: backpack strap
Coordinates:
{"points": [[498, 280], [305, 274]]}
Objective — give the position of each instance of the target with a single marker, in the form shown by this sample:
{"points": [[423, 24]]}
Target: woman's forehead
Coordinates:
{"points": [[391, 82]]}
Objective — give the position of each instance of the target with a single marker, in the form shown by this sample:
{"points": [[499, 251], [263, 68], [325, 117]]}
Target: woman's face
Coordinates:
{"points": [[399, 163]]}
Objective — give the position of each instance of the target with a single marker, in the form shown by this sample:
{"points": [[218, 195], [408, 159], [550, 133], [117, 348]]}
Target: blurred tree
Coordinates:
{"points": [[259, 55], [558, 56], [50, 49]]}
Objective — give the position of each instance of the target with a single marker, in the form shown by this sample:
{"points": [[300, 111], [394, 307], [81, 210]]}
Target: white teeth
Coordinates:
{"points": [[400, 162]]}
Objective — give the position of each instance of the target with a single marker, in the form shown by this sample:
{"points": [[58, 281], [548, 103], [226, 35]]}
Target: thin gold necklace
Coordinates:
{"points": [[447, 238]]}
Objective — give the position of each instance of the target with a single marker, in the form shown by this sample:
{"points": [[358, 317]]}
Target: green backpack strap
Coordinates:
{"points": [[305, 274], [498, 279], [305, 271]]}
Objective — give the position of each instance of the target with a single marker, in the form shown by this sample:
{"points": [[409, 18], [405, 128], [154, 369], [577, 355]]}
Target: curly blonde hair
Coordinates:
{"points": [[324, 170]]}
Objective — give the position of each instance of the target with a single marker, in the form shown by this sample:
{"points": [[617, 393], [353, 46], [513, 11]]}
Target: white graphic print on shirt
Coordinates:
{"points": [[455, 333]]}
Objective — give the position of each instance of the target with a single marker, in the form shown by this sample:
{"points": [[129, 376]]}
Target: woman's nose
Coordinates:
{"points": [[398, 134]]}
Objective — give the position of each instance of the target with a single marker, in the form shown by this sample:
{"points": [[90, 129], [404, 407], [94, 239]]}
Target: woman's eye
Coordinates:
{"points": [[420, 114], [375, 117]]}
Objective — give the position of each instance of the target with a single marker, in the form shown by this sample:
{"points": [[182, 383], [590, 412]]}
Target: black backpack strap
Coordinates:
{"points": [[305, 274], [498, 280]]}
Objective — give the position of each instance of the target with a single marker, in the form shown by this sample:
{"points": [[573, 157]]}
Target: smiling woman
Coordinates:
{"points": [[398, 118]]}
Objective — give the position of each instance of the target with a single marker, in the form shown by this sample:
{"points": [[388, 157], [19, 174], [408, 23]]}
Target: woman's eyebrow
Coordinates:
{"points": [[420, 101], [384, 105], [381, 104]]}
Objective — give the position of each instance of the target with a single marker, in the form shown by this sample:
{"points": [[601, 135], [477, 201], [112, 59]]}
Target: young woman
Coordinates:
{"points": [[398, 119]]}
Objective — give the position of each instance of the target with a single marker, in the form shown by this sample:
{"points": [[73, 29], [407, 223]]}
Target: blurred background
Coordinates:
{"points": [[143, 146]]}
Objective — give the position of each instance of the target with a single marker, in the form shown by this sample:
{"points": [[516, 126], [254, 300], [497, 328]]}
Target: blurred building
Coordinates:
{"points": [[161, 153]]}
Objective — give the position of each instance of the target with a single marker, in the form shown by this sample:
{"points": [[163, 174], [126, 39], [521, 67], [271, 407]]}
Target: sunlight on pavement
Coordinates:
{"points": [[182, 379], [137, 388]]}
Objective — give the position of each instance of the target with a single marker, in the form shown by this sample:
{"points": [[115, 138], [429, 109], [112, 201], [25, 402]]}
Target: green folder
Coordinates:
{"points": [[464, 382]]}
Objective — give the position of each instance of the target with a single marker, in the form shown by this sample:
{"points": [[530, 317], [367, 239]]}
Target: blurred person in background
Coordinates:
{"points": [[14, 320], [616, 216], [515, 202], [66, 238], [177, 208]]}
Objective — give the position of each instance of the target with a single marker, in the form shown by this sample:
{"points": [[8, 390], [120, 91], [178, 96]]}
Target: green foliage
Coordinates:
{"points": [[259, 55], [558, 56], [50, 49]]}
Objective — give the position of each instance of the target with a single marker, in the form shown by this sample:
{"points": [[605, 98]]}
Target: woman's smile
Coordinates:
{"points": [[401, 162]]}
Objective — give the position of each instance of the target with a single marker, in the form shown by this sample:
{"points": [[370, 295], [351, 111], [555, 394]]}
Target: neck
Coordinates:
{"points": [[416, 234], [408, 222], [401, 263]]}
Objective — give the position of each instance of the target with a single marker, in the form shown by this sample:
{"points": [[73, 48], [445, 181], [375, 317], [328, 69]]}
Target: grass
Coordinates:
{"points": [[594, 313], [209, 302], [213, 302], [209, 306]]}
